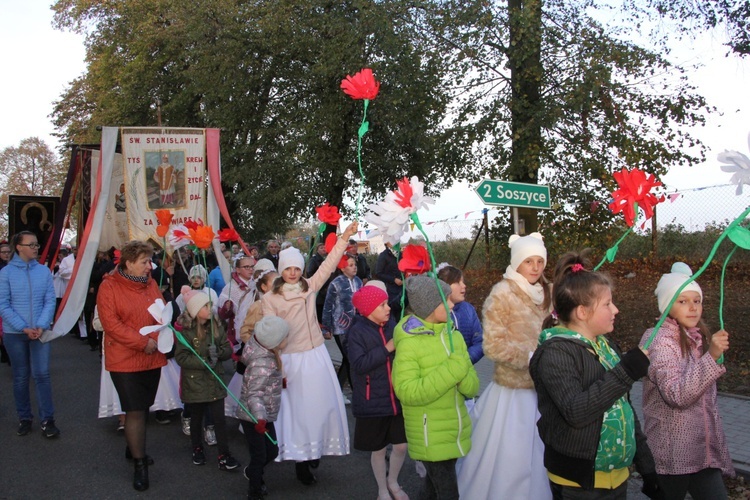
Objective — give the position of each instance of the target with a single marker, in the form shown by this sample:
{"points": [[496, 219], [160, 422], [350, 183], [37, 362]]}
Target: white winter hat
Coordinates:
{"points": [[198, 270], [271, 331], [264, 265], [194, 300], [378, 284], [523, 247], [670, 282], [291, 257]]}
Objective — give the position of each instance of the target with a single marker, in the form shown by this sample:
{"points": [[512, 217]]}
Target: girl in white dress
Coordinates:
{"points": [[507, 455]]}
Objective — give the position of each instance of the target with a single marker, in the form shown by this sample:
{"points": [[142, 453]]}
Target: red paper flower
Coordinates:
{"points": [[118, 254], [202, 236], [363, 85], [635, 187], [165, 219], [414, 260], [330, 242], [328, 214], [228, 235], [191, 224]]}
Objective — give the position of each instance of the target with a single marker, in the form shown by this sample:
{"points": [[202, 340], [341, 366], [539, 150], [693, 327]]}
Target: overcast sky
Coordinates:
{"points": [[39, 61]]}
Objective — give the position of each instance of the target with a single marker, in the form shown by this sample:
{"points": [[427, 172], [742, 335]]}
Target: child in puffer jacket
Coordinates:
{"points": [[261, 395], [378, 412], [432, 381]]}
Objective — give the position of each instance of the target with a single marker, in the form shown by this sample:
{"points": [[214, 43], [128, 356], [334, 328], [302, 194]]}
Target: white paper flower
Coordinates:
{"points": [[391, 216], [178, 236], [738, 164], [163, 314]]}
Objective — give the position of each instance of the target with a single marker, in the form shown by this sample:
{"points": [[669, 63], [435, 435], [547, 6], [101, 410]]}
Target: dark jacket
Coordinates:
{"points": [[363, 268], [386, 270], [372, 389], [467, 322], [197, 384], [273, 258], [574, 391]]}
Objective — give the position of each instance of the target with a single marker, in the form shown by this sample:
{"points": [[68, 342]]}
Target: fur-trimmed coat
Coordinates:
{"points": [[512, 324]]}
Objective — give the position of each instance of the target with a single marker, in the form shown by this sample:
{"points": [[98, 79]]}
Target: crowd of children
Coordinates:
{"points": [[555, 422]]}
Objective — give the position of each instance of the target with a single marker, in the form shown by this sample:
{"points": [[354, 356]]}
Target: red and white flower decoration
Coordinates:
{"points": [[391, 216]]}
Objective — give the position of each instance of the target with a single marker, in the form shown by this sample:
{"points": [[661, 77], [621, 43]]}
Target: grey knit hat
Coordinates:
{"points": [[271, 331], [423, 294]]}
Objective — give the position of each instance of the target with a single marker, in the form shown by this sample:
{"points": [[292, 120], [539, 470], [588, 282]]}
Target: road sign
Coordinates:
{"points": [[513, 194]]}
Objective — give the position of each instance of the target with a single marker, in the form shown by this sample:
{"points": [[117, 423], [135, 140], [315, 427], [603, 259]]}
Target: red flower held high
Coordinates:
{"points": [[635, 188], [414, 260], [165, 220], [362, 85], [328, 214]]}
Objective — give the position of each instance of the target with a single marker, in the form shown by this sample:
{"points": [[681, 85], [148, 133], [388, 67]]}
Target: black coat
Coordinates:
{"points": [[370, 366]]}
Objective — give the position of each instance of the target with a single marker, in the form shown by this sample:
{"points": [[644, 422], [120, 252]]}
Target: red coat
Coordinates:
{"points": [[123, 311]]}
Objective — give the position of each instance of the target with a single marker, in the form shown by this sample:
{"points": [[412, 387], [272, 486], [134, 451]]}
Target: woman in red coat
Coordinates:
{"points": [[131, 358]]}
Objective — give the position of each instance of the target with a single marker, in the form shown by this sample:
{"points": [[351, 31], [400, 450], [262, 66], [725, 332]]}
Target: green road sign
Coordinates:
{"points": [[513, 194]]}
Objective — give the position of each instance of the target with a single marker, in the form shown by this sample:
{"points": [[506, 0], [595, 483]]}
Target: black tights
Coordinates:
{"points": [[343, 373], [135, 433]]}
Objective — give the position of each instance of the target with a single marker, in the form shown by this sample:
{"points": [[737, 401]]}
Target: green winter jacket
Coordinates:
{"points": [[197, 384], [432, 383]]}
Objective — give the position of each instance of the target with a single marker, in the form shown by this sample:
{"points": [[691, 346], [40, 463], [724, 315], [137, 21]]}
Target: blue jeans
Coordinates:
{"points": [[30, 357]]}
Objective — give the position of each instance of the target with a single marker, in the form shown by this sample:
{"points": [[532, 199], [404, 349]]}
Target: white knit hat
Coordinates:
{"points": [[271, 331], [264, 265], [523, 247], [670, 282], [194, 300], [291, 257]]}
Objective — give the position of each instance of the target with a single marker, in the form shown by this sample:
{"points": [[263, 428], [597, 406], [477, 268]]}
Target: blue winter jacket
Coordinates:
{"points": [[467, 322], [27, 296], [372, 390], [338, 310]]}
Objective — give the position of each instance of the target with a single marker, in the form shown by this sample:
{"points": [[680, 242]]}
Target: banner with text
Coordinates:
{"points": [[165, 168]]}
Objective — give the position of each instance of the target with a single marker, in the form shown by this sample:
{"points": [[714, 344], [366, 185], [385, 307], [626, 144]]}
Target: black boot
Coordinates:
{"points": [[140, 477], [129, 456], [303, 473]]}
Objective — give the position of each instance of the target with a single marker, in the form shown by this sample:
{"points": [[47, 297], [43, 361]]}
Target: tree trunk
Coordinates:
{"points": [[524, 61]]}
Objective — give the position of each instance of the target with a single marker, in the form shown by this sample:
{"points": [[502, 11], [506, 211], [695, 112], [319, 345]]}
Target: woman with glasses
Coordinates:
{"points": [[27, 306]]}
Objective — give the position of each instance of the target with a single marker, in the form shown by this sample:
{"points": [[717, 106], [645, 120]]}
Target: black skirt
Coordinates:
{"points": [[137, 390], [375, 433]]}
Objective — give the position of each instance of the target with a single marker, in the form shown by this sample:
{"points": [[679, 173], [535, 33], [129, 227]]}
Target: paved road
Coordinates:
{"points": [[88, 459]]}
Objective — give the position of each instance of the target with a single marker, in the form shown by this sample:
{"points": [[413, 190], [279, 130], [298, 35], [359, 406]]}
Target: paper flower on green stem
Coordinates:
{"points": [[738, 164], [328, 214], [162, 313], [415, 259], [391, 216], [634, 192], [165, 220], [362, 85]]}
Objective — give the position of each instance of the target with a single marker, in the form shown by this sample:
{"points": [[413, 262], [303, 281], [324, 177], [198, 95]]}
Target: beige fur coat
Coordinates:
{"points": [[512, 324]]}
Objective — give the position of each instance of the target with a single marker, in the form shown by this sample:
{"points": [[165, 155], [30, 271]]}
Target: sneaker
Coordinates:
{"points": [[49, 430], [185, 425], [199, 458], [120, 426], [209, 435], [161, 417], [347, 401], [227, 462], [24, 427]]}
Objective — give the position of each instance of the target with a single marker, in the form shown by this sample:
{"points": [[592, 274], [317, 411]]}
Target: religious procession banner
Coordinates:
{"points": [[115, 229], [165, 168]]}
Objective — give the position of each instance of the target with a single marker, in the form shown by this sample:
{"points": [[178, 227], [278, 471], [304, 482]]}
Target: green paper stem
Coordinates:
{"points": [[184, 342], [721, 289], [363, 128], [609, 255], [449, 324], [692, 278], [321, 229], [202, 253]]}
